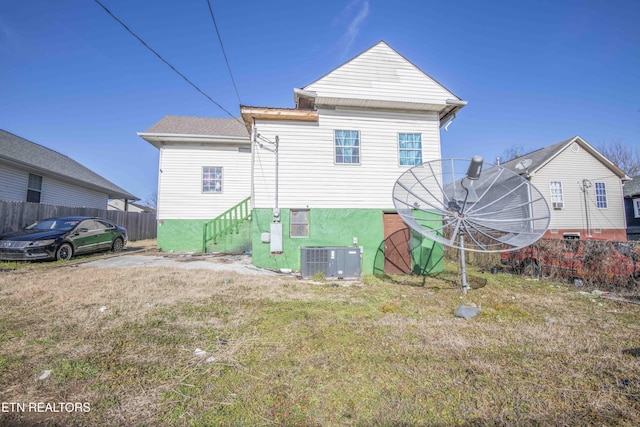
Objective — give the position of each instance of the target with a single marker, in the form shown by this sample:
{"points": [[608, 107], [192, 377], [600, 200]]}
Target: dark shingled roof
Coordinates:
{"points": [[38, 158], [632, 188], [540, 157], [187, 125]]}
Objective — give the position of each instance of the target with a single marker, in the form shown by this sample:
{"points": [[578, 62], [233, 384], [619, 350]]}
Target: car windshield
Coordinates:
{"points": [[53, 224]]}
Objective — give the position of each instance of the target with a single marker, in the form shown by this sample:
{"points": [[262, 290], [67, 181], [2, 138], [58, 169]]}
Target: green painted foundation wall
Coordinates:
{"points": [[338, 227], [427, 255], [327, 227], [185, 235]]}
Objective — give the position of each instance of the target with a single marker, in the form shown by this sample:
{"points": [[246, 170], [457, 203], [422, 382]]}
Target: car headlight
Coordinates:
{"points": [[42, 242]]}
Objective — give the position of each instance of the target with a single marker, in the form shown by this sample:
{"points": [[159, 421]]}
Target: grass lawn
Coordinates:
{"points": [[121, 347]]}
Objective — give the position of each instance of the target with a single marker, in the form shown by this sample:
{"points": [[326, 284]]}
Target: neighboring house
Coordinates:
{"points": [[631, 191], [33, 173], [319, 175], [582, 187], [123, 205]]}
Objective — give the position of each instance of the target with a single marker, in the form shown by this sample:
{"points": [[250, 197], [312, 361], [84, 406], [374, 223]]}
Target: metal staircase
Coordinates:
{"points": [[226, 223]]}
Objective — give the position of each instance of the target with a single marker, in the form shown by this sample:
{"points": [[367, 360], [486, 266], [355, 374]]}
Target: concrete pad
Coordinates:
{"points": [[235, 263]]}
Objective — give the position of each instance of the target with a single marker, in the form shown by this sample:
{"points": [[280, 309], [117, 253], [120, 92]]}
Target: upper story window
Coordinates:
{"points": [[557, 200], [34, 188], [410, 148], [212, 179], [636, 208], [347, 147], [601, 195]]}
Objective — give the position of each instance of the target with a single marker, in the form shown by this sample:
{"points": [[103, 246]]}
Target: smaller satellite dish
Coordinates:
{"points": [[524, 164]]}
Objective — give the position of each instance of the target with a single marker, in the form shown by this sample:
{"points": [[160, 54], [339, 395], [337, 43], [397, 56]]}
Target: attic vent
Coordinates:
{"points": [[575, 147], [558, 205]]}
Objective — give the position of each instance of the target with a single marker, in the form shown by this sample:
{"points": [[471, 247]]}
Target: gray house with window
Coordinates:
{"points": [[30, 172]]}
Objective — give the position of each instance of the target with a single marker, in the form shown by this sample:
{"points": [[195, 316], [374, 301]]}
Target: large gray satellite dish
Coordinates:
{"points": [[471, 206]]}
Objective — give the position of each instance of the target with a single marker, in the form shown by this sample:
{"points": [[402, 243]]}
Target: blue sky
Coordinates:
{"points": [[534, 73]]}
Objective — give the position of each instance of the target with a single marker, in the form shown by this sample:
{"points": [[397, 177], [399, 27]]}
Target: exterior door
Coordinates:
{"points": [[397, 257]]}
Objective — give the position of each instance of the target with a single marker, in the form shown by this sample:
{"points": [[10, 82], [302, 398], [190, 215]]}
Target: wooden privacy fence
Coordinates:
{"points": [[15, 215]]}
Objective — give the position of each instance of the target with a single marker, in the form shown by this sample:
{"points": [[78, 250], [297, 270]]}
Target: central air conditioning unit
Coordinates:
{"points": [[339, 262], [558, 205]]}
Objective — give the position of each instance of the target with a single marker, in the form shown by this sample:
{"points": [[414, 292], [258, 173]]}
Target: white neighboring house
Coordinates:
{"points": [[33, 173], [582, 187], [204, 169]]}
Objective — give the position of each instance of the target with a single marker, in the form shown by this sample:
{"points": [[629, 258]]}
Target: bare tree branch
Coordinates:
{"points": [[626, 157]]}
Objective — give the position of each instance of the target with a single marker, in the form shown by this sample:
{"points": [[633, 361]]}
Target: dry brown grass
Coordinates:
{"points": [[289, 352]]}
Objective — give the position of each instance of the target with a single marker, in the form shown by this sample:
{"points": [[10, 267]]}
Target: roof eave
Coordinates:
{"points": [[157, 139]]}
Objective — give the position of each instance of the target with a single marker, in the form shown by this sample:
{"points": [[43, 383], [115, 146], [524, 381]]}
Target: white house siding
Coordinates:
{"points": [[13, 187], [571, 167], [180, 193], [56, 192], [381, 73], [308, 175], [13, 184]]}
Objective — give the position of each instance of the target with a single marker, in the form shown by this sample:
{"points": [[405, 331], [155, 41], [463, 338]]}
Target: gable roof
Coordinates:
{"points": [[203, 129], [381, 78], [38, 158], [541, 157], [632, 188]]}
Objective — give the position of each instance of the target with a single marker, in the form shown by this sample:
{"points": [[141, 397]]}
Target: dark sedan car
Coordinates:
{"points": [[62, 238]]}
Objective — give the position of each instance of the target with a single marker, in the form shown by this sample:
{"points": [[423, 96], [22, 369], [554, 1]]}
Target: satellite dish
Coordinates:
{"points": [[471, 205], [524, 164]]}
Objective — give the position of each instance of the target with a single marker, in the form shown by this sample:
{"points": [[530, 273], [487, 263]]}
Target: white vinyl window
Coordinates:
{"points": [[557, 199], [601, 195], [347, 147], [636, 208], [410, 148], [212, 179], [299, 223]]}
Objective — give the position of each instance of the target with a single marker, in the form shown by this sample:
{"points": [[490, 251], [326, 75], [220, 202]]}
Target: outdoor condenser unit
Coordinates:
{"points": [[333, 261]]}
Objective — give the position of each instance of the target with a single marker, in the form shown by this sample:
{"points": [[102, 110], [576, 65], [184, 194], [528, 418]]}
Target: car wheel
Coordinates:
{"points": [[117, 245], [64, 252]]}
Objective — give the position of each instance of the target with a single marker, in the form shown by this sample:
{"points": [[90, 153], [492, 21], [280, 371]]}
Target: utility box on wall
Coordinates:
{"points": [[336, 261]]}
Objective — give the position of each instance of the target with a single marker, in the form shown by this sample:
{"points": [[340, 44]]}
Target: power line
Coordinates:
{"points": [[164, 60], [223, 51]]}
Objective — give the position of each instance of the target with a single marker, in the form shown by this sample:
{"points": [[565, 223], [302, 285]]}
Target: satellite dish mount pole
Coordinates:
{"points": [[473, 173]]}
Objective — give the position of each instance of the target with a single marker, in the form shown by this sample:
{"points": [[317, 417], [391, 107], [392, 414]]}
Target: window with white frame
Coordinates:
{"points": [[601, 195], [636, 208], [299, 223], [212, 179], [347, 147], [34, 188], [410, 148], [557, 200]]}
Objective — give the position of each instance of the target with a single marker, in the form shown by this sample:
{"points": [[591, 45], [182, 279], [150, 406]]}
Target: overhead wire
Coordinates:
{"points": [[224, 53], [165, 61]]}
